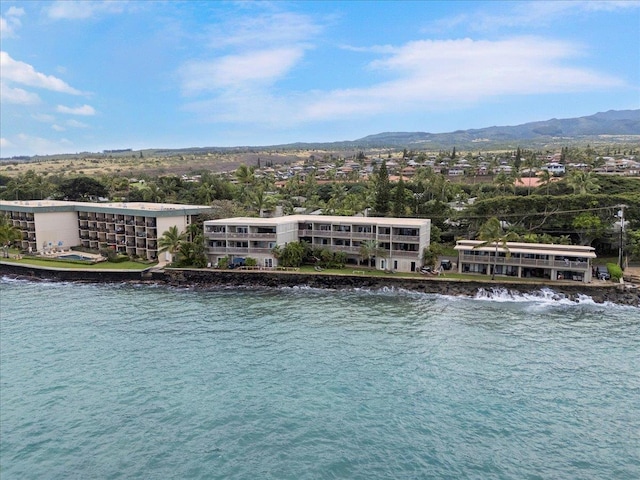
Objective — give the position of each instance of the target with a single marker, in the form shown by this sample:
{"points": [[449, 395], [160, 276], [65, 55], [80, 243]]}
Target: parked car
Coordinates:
{"points": [[603, 273], [446, 264]]}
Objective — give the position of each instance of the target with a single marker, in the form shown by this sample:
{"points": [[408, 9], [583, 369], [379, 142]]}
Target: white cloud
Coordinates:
{"points": [[17, 95], [233, 71], [82, 110], [527, 14], [58, 128], [276, 29], [459, 72], [70, 10], [10, 22], [19, 72], [421, 76], [4, 143], [76, 124], [43, 117], [23, 144]]}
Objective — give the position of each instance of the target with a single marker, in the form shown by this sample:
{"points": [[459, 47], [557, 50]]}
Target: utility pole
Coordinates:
{"points": [[621, 248]]}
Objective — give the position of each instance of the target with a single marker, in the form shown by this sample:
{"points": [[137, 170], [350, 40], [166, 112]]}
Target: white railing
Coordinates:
{"points": [[526, 262]]}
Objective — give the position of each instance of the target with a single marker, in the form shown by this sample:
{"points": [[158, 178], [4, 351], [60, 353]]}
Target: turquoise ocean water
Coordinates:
{"points": [[122, 381]]}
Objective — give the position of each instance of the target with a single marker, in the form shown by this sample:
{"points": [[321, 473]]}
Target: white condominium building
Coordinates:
{"points": [[400, 241], [526, 260], [128, 228]]}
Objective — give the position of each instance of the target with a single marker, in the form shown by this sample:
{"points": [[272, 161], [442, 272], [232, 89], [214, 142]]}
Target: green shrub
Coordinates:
{"points": [[223, 262], [117, 258], [615, 271], [250, 262]]}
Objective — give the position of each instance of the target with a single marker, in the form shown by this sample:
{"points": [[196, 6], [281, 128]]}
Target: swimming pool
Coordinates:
{"points": [[74, 256]]}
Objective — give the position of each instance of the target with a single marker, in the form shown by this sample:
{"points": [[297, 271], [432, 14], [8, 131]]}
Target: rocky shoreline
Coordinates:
{"points": [[211, 279]]}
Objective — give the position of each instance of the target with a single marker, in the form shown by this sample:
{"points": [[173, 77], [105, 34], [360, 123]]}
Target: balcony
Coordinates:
{"points": [[406, 238], [405, 253], [525, 262]]}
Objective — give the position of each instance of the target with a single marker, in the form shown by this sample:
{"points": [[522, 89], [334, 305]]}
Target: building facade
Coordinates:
{"points": [[129, 228], [400, 241], [526, 260]]}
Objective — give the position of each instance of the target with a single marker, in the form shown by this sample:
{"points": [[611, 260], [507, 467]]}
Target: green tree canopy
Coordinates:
{"points": [[382, 191], [82, 188]]}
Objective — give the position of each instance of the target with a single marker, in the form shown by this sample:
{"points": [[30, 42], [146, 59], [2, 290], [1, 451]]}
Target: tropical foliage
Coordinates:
{"points": [[494, 235]]}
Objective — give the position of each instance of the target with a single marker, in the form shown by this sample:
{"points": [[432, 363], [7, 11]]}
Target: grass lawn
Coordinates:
{"points": [[50, 263]]}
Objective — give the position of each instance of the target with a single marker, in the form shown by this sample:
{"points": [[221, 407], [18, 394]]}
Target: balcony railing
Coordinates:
{"points": [[526, 262], [239, 250]]}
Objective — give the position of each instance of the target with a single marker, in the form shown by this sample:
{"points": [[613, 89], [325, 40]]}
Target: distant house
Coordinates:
{"points": [[554, 168]]}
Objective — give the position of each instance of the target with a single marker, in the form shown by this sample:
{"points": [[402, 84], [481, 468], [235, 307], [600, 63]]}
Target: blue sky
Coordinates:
{"points": [[89, 76]]}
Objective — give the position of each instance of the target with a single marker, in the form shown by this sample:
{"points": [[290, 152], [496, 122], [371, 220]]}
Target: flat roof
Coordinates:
{"points": [[335, 219], [519, 247], [130, 208]]}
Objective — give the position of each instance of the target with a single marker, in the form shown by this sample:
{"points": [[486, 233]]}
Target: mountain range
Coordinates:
{"points": [[610, 126]]}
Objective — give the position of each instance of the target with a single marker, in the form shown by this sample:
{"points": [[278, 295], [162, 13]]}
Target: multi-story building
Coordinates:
{"points": [[129, 228], [526, 260], [400, 241]]}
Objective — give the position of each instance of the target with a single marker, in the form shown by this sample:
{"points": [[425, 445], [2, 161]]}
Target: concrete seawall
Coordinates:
{"points": [[207, 279]]}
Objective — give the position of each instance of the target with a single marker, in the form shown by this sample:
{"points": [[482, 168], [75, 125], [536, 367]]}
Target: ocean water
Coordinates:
{"points": [[123, 381]]}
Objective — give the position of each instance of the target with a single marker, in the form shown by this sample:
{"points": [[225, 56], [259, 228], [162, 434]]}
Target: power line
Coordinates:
{"points": [[529, 214]]}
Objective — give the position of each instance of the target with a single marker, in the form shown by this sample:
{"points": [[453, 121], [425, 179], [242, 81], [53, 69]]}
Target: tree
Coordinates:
{"points": [[582, 182], [518, 160], [260, 200], [504, 181], [382, 190], [430, 255], [293, 254], [399, 205], [493, 234], [82, 189], [545, 179], [369, 249], [588, 227], [171, 241], [153, 193], [633, 237], [8, 235], [245, 175]]}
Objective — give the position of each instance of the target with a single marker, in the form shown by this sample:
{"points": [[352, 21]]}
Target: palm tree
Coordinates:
{"points": [[171, 241], [206, 193], [245, 175], [370, 249], [582, 182], [515, 178], [260, 200], [493, 234], [545, 179], [152, 193], [504, 181]]}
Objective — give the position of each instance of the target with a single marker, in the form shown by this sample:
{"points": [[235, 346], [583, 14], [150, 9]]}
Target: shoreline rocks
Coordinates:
{"points": [[209, 279]]}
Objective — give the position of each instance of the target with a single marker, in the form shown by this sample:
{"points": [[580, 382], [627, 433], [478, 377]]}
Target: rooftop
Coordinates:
{"points": [[106, 207], [335, 219]]}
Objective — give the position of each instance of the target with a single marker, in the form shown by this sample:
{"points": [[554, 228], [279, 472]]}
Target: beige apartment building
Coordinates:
{"points": [[128, 228], [400, 240], [527, 260]]}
